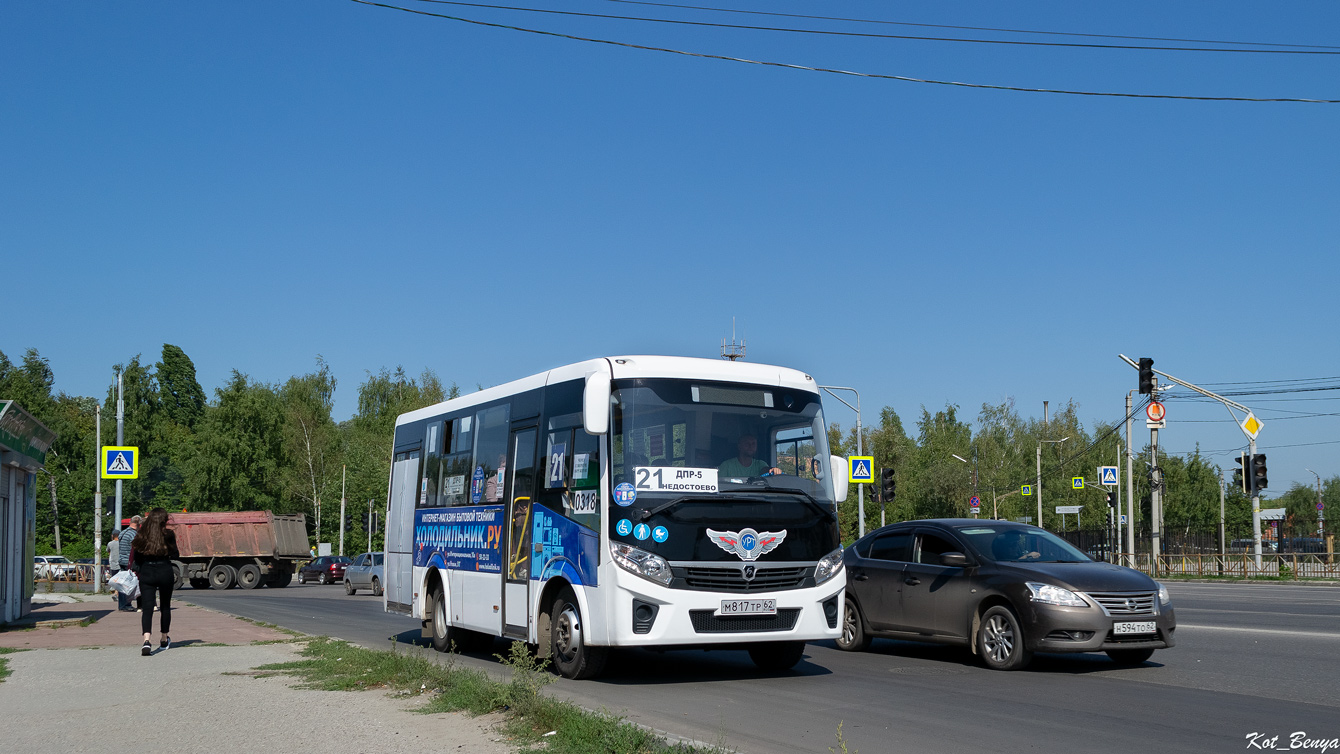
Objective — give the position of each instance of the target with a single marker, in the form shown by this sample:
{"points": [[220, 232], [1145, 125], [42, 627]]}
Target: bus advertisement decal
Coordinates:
{"points": [[467, 539], [561, 539]]}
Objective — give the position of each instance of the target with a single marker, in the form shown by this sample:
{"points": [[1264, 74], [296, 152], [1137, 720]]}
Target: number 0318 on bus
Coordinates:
{"points": [[639, 501]]}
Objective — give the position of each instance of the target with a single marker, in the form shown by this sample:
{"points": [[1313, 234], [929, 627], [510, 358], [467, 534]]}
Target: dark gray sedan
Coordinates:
{"points": [[365, 573], [1005, 590]]}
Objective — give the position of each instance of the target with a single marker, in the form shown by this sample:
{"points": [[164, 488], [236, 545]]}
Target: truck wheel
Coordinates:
{"points": [[573, 657], [249, 576], [222, 577], [178, 575], [281, 579], [376, 587], [777, 655]]}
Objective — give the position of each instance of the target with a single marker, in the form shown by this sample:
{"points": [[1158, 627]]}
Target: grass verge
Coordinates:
{"points": [[4, 664], [533, 721]]}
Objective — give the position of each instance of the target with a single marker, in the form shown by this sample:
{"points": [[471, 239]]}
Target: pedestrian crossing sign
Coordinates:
{"points": [[1077, 482], [861, 470], [1107, 475], [1025, 489], [120, 462]]}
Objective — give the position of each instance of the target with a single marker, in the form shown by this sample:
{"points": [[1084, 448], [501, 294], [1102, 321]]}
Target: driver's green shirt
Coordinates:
{"points": [[733, 467]]}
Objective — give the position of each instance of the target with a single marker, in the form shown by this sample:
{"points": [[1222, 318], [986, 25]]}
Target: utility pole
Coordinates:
{"points": [[120, 440], [1130, 484], [55, 510], [1221, 512], [97, 499], [342, 468], [1321, 513], [860, 489], [1038, 487], [1155, 498], [372, 524]]}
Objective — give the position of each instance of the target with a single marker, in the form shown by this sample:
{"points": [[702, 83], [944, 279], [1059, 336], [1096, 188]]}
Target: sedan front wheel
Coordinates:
{"points": [[854, 638], [1000, 641]]}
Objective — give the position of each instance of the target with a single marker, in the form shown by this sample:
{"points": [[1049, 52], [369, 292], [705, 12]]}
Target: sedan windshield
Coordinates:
{"points": [[685, 437], [1010, 544]]}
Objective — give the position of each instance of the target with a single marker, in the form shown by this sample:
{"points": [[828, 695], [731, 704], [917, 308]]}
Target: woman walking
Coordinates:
{"points": [[151, 556]]}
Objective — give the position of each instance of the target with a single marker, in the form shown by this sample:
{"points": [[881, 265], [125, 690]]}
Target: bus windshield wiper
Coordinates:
{"points": [[809, 500], [649, 512]]}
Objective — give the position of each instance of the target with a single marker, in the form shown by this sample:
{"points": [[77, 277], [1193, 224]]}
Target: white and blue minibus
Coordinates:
{"points": [[636, 501]]}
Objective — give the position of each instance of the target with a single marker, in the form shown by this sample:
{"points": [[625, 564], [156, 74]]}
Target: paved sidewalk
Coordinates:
{"points": [[181, 700], [190, 625]]}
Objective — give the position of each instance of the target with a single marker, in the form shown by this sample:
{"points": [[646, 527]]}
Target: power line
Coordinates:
{"points": [[860, 74], [971, 28], [871, 35]]}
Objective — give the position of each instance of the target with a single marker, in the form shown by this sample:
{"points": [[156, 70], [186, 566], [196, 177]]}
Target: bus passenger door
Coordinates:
{"points": [[516, 558], [399, 564]]}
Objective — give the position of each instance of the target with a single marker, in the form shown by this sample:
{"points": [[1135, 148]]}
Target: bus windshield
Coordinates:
{"points": [[677, 438]]}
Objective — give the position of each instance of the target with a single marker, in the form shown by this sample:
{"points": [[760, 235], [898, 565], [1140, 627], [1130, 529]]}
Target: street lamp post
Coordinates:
{"points": [[860, 491], [1321, 516], [1040, 477]]}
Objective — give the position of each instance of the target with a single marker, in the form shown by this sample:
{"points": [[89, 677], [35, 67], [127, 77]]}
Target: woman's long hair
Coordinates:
{"points": [[152, 539]]}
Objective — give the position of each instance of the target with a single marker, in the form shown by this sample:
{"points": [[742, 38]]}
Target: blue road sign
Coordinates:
{"points": [[1107, 475]]}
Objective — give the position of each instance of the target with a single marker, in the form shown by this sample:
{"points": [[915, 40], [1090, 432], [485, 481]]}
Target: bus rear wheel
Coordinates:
{"points": [[777, 655], [572, 656]]}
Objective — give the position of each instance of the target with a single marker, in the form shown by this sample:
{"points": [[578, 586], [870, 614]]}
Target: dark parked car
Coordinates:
{"points": [[365, 573], [1006, 590], [327, 569]]}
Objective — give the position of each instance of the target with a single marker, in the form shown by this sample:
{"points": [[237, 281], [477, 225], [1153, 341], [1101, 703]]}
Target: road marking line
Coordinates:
{"points": [[1313, 634]]}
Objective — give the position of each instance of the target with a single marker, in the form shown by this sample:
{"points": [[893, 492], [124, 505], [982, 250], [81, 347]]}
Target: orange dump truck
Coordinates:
{"points": [[224, 549]]}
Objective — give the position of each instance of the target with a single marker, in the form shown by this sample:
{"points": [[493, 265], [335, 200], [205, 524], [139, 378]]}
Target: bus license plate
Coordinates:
{"points": [[1141, 627], [748, 607]]}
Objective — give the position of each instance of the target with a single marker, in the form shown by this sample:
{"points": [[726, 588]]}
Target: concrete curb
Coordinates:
{"points": [[1296, 582]]}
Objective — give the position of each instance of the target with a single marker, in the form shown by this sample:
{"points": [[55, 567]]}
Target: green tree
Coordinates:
{"points": [[238, 452]]}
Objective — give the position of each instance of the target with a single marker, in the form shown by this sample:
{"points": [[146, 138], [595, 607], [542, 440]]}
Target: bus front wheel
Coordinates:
{"points": [[572, 656]]}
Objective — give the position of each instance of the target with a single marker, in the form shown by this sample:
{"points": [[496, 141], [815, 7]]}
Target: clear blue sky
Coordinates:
{"points": [[260, 182]]}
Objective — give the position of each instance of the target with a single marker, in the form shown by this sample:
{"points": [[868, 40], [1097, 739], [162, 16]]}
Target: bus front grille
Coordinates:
{"points": [[704, 622], [732, 579]]}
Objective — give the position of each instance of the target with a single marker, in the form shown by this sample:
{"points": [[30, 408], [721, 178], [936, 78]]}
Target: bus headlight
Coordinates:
{"points": [[828, 567], [641, 562]]}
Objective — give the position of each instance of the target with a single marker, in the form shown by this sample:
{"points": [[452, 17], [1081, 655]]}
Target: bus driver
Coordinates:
{"points": [[744, 464]]}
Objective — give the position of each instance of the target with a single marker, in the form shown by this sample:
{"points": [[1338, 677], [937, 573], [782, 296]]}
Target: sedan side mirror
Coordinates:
{"points": [[954, 559]]}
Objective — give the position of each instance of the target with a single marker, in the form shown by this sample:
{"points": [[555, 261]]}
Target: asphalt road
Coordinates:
{"points": [[1250, 659]]}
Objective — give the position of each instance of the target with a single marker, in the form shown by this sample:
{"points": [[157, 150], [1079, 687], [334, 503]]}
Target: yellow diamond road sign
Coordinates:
{"points": [[1251, 425]]}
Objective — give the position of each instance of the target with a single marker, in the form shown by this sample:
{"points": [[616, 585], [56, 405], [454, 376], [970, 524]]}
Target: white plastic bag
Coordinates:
{"points": [[125, 582]]}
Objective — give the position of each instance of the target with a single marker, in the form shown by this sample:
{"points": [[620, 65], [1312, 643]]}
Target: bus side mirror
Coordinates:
{"points": [[596, 403], [838, 468]]}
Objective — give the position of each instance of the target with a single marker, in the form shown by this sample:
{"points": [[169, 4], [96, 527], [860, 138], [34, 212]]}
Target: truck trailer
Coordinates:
{"points": [[220, 550]]}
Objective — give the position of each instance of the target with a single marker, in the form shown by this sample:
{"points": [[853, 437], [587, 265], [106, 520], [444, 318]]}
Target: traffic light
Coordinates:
{"points": [[348, 522], [1146, 376], [1239, 478], [1111, 499], [1259, 481], [887, 486]]}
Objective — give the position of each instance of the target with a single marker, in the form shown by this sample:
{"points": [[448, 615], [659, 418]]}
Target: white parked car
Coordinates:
{"points": [[53, 567]]}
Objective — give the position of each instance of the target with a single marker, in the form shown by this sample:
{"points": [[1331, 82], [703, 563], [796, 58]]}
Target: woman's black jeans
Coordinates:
{"points": [[156, 578]]}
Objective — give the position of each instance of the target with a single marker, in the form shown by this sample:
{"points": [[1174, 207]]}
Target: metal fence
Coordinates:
{"points": [[81, 573], [1239, 565]]}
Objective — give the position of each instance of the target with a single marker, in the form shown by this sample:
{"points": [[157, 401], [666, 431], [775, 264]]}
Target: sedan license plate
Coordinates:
{"points": [[1140, 627], [748, 607]]}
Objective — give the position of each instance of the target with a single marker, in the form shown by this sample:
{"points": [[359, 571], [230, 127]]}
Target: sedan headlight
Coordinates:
{"points": [[1054, 595], [644, 564], [828, 567], [1164, 597]]}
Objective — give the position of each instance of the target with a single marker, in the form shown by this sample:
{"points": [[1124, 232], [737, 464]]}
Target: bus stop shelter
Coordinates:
{"points": [[24, 444]]}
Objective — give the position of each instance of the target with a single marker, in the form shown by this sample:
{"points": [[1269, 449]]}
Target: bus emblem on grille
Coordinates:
{"points": [[749, 573], [748, 544]]}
